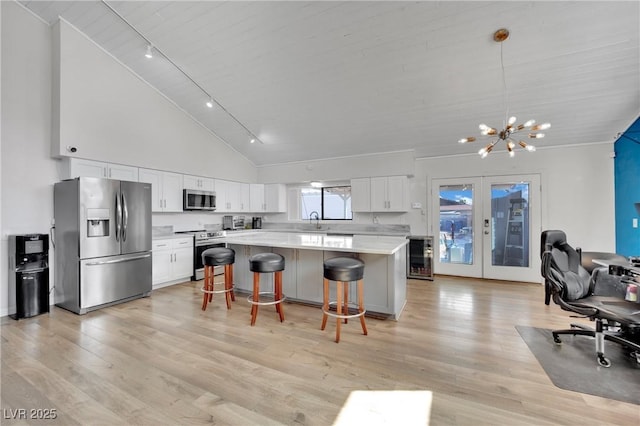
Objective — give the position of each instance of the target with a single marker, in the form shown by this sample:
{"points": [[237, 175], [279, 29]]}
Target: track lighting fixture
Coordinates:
{"points": [[510, 126], [149, 53]]}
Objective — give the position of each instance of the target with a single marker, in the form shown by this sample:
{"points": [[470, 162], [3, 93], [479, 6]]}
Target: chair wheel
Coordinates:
{"points": [[556, 339], [604, 361]]}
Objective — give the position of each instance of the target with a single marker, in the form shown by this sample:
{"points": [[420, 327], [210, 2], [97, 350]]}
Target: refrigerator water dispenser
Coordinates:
{"points": [[97, 222]]}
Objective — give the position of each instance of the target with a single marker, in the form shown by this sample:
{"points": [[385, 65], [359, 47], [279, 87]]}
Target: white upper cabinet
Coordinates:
{"points": [[232, 197], [256, 195], [275, 197], [389, 194], [77, 167], [166, 190], [198, 183], [361, 195]]}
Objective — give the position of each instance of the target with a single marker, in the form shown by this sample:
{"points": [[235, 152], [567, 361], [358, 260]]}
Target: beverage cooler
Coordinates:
{"points": [[29, 274], [420, 257]]}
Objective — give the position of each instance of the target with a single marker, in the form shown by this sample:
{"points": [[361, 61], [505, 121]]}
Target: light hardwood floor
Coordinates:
{"points": [[161, 360]]}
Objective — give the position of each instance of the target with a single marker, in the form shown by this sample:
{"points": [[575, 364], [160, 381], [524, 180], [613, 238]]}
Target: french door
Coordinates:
{"points": [[487, 227]]}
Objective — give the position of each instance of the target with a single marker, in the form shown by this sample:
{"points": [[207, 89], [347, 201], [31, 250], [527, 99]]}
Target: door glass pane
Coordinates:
{"points": [[456, 224], [510, 224]]}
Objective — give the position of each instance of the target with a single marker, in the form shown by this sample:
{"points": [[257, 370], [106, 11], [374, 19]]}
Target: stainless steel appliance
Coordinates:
{"points": [[256, 223], [198, 200], [232, 222], [29, 274], [102, 242], [204, 240], [420, 257]]}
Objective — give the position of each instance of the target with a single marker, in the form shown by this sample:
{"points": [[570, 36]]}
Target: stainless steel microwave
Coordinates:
{"points": [[198, 200]]}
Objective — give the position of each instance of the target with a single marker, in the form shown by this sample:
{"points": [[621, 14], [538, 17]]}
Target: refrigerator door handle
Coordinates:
{"points": [[118, 217], [107, 262], [125, 218]]}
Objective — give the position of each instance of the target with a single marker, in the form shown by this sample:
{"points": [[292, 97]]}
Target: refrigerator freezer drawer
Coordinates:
{"points": [[110, 279]]}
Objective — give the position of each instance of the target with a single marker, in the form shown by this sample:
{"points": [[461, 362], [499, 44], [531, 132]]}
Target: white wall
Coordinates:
{"points": [[577, 188]]}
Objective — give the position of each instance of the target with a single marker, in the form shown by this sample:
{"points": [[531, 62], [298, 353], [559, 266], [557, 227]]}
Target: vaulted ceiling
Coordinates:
{"points": [[322, 79]]}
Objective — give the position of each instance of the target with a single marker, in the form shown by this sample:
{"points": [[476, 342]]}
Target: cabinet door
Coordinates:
{"points": [[122, 172], [244, 201], [275, 195], [289, 275], [172, 192], [161, 265], [190, 182], [182, 262], [154, 177], [256, 194], [397, 193], [242, 277], [379, 194], [222, 203], [309, 275], [87, 168], [361, 195]]}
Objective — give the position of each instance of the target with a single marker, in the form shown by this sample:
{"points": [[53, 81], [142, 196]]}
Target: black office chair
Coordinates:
{"points": [[573, 288]]}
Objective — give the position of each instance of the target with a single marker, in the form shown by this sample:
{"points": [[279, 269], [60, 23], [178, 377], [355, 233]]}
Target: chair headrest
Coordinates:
{"points": [[553, 237]]}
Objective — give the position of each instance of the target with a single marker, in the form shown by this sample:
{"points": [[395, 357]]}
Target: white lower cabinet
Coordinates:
{"points": [[172, 261]]}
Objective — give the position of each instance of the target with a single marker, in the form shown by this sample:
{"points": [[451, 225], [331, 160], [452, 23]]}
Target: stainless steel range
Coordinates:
{"points": [[204, 240]]}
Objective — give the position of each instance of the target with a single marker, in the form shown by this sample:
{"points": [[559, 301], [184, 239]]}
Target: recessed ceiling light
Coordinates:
{"points": [[252, 140], [149, 53], [209, 103]]}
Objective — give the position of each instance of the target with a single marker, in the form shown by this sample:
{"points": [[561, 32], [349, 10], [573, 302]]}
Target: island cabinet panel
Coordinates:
{"points": [[309, 275], [242, 276], [290, 273]]}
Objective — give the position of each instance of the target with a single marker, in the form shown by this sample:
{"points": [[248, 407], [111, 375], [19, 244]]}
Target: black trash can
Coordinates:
{"points": [[29, 274]]}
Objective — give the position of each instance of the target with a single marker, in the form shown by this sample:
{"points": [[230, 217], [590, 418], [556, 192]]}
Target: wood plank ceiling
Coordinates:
{"points": [[316, 79]]}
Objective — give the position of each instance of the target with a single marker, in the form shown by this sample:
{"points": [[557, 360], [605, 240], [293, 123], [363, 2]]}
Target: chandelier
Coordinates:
{"points": [[510, 127]]}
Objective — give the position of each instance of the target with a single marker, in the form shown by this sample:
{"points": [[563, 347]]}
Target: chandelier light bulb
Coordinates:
{"points": [[483, 127], [526, 146], [465, 140], [543, 126], [529, 123], [511, 121], [536, 135], [149, 53]]}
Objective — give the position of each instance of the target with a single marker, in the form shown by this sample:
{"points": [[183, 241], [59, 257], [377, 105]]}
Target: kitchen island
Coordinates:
{"points": [[304, 253]]}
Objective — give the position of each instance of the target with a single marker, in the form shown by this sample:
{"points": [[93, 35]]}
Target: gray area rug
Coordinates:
{"points": [[573, 366]]}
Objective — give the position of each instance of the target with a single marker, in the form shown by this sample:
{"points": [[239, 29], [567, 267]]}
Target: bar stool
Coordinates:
{"points": [[342, 270], [211, 258], [265, 263]]}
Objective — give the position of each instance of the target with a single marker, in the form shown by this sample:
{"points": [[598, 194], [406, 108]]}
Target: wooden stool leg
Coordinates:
{"points": [[205, 285], [227, 284], [233, 295], [278, 291], [212, 280], [346, 300], [361, 305], [325, 304], [256, 296], [339, 295]]}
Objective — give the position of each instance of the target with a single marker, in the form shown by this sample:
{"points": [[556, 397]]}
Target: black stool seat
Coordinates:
{"points": [[343, 269], [266, 262], [218, 256]]}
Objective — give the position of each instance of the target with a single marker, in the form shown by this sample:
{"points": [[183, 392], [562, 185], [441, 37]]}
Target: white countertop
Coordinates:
{"points": [[372, 244]]}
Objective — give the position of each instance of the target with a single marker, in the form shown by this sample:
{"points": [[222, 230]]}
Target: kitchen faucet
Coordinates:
{"points": [[317, 218]]}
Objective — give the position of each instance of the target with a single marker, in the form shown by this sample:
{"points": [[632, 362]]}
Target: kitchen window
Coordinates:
{"points": [[330, 203]]}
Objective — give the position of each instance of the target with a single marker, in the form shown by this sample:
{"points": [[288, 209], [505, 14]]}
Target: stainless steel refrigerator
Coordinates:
{"points": [[102, 242]]}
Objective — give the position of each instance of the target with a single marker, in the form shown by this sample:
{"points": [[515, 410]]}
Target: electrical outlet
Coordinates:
{"points": [[635, 222]]}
